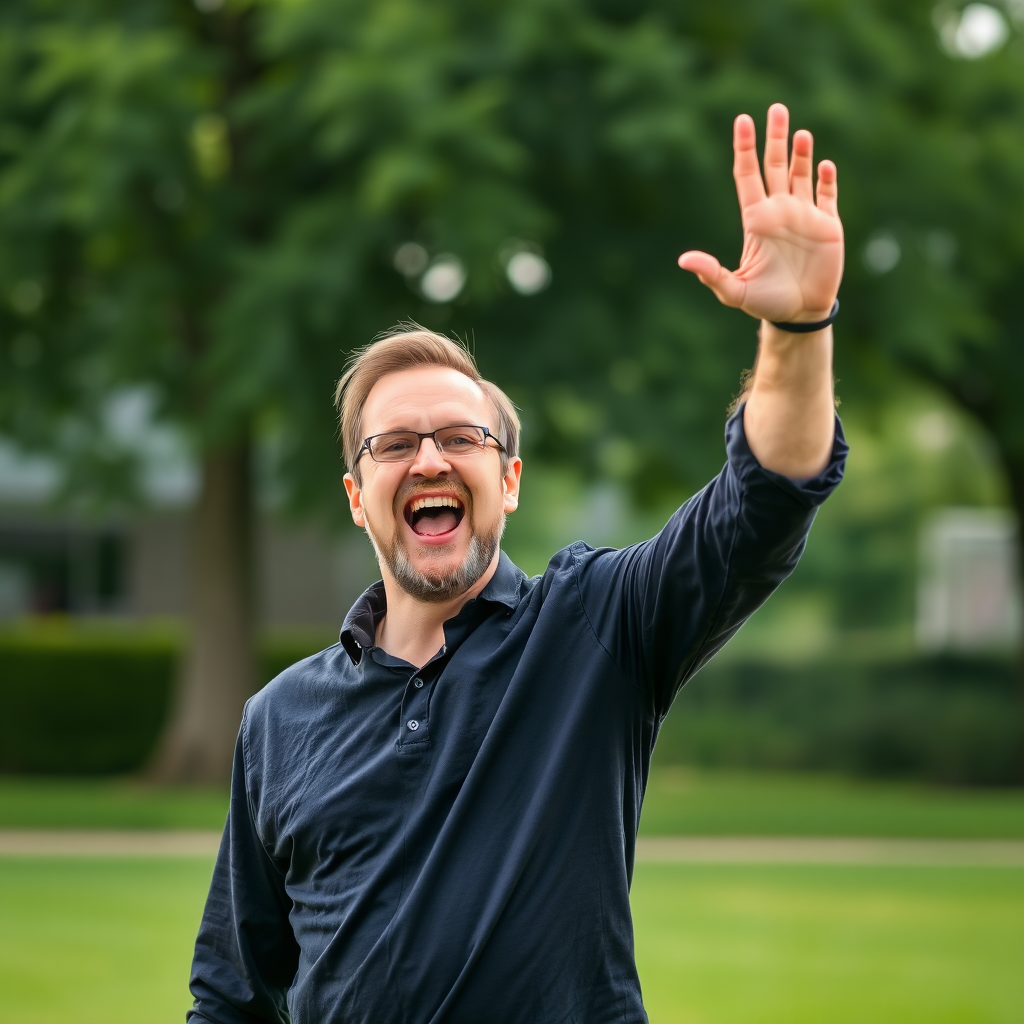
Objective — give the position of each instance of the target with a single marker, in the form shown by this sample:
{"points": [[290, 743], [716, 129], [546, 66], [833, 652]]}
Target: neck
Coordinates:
{"points": [[413, 630]]}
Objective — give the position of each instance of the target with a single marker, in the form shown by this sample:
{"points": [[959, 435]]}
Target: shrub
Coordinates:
{"points": [[944, 718], [93, 701]]}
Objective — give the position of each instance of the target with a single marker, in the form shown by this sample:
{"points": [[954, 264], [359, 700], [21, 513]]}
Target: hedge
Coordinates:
{"points": [[948, 719], [88, 702], [76, 701]]}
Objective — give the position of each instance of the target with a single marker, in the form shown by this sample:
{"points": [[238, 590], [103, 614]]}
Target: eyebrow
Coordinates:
{"points": [[452, 423]]}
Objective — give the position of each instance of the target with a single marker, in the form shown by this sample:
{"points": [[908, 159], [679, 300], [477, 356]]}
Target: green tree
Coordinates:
{"points": [[205, 202], [208, 201], [927, 125]]}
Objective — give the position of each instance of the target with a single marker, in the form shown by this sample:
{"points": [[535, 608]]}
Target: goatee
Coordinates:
{"points": [[438, 587]]}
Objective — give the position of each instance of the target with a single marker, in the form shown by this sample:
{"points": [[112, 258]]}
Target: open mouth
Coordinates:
{"points": [[434, 515]]}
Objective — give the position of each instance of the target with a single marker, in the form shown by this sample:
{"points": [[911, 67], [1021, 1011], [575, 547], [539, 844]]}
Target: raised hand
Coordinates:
{"points": [[792, 259]]}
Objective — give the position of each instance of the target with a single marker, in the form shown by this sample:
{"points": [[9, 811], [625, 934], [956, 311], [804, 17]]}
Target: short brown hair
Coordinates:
{"points": [[402, 348]]}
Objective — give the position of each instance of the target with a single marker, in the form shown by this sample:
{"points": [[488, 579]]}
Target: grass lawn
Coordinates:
{"points": [[27, 802], [679, 801], [88, 941], [682, 801], [806, 945]]}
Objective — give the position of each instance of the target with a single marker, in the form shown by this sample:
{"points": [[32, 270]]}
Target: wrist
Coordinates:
{"points": [[808, 321], [812, 316]]}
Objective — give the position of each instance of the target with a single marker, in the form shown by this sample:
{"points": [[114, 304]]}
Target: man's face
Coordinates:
{"points": [[435, 550]]}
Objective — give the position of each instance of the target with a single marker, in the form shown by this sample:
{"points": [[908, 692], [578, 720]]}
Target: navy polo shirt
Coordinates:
{"points": [[455, 842]]}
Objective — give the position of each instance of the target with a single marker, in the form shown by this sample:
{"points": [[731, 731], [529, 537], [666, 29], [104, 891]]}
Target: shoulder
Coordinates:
{"points": [[559, 572], [581, 565], [299, 691], [279, 720]]}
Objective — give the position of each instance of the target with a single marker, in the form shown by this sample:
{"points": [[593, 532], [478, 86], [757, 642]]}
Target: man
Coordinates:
{"points": [[435, 819]]}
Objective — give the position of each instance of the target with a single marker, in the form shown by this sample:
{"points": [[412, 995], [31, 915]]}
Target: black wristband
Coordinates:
{"points": [[819, 325]]}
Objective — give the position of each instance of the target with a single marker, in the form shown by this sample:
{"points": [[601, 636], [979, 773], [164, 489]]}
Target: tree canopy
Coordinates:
{"points": [[216, 202], [209, 200]]}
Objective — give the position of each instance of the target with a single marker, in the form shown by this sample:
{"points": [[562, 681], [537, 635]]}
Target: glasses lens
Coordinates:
{"points": [[461, 440], [398, 446]]}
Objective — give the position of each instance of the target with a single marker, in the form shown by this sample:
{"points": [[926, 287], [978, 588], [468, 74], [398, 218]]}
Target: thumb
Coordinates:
{"points": [[729, 289]]}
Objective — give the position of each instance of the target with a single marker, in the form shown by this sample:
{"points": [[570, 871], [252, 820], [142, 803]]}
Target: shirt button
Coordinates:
{"points": [[418, 683], [412, 725]]}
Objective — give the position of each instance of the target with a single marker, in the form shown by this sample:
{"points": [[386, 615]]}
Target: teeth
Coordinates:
{"points": [[439, 501]]}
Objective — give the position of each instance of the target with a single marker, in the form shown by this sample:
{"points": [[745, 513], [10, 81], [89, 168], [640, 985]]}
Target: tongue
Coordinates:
{"points": [[431, 526]]}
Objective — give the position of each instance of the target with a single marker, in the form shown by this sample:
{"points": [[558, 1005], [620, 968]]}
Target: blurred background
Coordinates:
{"points": [[205, 206]]}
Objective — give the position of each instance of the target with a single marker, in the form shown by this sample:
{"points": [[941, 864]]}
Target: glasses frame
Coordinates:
{"points": [[364, 448]]}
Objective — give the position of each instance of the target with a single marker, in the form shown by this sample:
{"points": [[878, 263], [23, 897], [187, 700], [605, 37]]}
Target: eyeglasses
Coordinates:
{"points": [[404, 445]]}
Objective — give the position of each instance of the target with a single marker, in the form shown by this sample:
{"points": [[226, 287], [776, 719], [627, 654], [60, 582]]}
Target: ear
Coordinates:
{"points": [[510, 483], [355, 500]]}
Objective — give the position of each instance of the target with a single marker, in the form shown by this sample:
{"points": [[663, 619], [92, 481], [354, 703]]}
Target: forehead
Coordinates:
{"points": [[424, 398]]}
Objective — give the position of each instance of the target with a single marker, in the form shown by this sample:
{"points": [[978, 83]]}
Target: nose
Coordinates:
{"points": [[429, 461]]}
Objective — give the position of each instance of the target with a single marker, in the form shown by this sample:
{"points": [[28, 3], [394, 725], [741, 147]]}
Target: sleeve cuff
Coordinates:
{"points": [[812, 491]]}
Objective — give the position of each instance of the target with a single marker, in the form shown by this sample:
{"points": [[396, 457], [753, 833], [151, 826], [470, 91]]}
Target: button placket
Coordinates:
{"points": [[414, 711]]}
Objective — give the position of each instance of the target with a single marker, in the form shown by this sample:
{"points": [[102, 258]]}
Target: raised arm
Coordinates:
{"points": [[789, 272]]}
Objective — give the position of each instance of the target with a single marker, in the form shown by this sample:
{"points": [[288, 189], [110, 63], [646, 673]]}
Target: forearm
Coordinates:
{"points": [[789, 419]]}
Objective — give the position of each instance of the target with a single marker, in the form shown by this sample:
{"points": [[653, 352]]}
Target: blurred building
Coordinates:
{"points": [[969, 595], [137, 566]]}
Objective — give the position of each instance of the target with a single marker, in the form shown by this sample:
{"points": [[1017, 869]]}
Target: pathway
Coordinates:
{"points": [[650, 849]]}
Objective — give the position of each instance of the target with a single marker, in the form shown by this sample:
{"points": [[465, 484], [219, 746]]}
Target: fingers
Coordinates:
{"points": [[745, 168], [828, 188], [800, 184], [776, 150], [729, 288], [782, 176]]}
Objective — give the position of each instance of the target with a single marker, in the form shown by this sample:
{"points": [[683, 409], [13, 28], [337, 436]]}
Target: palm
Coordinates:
{"points": [[792, 259]]}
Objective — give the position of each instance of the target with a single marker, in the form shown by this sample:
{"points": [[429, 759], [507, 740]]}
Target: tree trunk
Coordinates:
{"points": [[218, 670]]}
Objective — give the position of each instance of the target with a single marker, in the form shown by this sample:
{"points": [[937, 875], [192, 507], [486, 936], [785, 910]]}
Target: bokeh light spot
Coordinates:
{"points": [[528, 273], [882, 253], [410, 259], [444, 280], [974, 32]]}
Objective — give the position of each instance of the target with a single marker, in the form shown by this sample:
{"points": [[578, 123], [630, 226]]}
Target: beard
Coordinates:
{"points": [[445, 585]]}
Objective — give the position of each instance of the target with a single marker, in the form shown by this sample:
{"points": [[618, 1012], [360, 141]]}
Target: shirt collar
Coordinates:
{"points": [[505, 586], [359, 630]]}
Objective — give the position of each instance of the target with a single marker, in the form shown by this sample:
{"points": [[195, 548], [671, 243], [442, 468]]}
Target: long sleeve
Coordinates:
{"points": [[662, 608], [246, 955]]}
